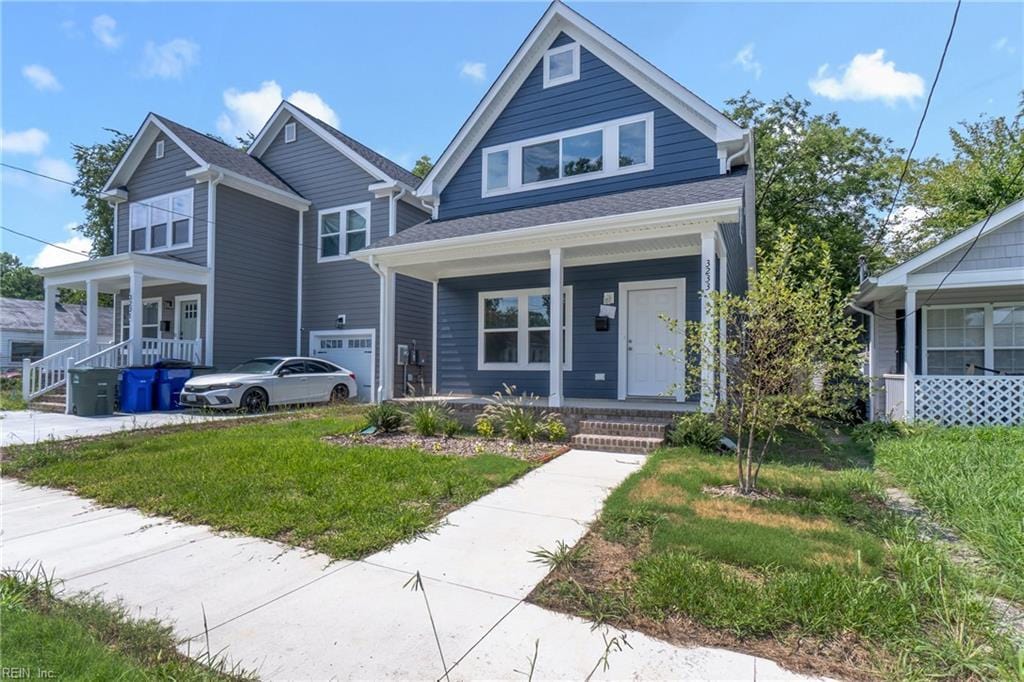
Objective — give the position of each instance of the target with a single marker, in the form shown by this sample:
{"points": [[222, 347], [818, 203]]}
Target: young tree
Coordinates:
{"points": [[95, 164], [422, 167], [792, 351], [831, 181], [17, 280]]}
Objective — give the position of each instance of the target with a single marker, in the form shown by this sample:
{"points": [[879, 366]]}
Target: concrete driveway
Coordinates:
{"points": [[29, 426], [289, 614]]}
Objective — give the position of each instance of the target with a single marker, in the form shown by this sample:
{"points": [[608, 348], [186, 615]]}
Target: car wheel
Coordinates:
{"points": [[339, 393], [255, 400]]}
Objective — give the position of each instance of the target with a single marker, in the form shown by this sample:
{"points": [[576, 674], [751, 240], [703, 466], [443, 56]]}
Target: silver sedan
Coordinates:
{"points": [[259, 383]]}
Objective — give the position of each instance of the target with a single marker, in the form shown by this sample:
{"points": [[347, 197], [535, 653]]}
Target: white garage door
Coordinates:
{"points": [[354, 353]]}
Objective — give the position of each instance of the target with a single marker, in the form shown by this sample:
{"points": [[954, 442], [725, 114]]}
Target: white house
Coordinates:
{"points": [[22, 326]]}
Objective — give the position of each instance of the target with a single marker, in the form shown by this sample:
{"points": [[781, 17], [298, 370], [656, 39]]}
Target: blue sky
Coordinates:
{"points": [[401, 77]]}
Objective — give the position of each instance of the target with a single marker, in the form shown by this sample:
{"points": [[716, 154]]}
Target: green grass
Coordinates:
{"points": [[973, 480], [273, 479], [10, 396], [82, 638], [820, 558]]}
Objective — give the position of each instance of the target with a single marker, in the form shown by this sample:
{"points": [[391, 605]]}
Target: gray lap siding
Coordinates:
{"points": [[255, 275], [593, 351]]}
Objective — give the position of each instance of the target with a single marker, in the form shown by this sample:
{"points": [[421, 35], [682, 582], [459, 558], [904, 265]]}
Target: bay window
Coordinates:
{"points": [[624, 145], [514, 330], [161, 223], [343, 230], [978, 338]]}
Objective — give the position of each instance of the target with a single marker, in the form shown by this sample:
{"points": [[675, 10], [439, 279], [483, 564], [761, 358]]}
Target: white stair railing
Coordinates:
{"points": [[112, 356], [47, 373]]}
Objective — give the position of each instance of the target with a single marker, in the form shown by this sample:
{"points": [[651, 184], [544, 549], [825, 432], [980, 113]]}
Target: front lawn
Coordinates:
{"points": [[275, 479], [972, 479], [816, 573]]}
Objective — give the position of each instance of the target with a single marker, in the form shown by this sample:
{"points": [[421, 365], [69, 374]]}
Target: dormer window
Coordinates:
{"points": [[159, 149], [289, 132], [562, 65]]}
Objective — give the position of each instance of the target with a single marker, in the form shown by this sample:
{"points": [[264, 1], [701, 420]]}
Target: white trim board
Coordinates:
{"points": [[149, 130], [623, 317], [316, 334]]}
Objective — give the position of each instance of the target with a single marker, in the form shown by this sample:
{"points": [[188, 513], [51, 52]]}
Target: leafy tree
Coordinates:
{"points": [[95, 164], [832, 182], [422, 167], [793, 352], [17, 280], [952, 195], [245, 141]]}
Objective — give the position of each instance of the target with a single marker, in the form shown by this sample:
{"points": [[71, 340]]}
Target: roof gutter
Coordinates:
{"points": [[742, 152]]}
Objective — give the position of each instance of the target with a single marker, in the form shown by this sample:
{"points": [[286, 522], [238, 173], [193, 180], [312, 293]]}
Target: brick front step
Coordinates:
{"points": [[48, 403], [641, 429], [633, 445]]}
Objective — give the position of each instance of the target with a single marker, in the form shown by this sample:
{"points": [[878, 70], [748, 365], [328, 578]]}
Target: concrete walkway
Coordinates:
{"points": [[289, 614], [31, 426]]}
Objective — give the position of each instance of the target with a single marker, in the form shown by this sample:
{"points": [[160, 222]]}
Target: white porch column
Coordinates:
{"points": [[135, 318], [92, 311], [723, 285], [434, 355], [555, 334], [387, 327], [49, 318], [707, 285], [909, 352]]}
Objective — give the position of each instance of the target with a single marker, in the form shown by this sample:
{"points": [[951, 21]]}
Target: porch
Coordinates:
{"points": [[133, 281]]}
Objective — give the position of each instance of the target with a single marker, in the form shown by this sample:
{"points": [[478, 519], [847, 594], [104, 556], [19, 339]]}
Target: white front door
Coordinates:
{"points": [[186, 320], [650, 372]]}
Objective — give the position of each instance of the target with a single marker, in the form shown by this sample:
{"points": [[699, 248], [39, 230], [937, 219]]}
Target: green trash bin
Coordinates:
{"points": [[93, 390]]}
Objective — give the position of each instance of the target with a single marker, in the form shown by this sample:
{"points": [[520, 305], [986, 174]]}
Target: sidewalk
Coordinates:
{"points": [[30, 426], [285, 613]]}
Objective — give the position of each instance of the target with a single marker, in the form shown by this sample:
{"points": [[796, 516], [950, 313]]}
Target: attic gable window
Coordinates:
{"points": [[159, 149], [625, 145], [562, 65], [289, 132]]}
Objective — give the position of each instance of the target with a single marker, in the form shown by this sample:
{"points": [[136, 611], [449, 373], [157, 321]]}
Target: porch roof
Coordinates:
{"points": [[111, 271]]}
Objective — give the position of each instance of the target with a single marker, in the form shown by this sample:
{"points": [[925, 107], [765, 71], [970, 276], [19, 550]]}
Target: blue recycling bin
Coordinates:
{"points": [[169, 382], [137, 389]]}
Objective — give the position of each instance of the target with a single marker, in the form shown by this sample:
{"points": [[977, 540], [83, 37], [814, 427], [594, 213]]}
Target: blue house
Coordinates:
{"points": [[584, 170]]}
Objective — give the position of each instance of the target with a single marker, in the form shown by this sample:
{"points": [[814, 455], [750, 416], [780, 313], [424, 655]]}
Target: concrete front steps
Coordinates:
{"points": [[53, 401], [635, 437]]}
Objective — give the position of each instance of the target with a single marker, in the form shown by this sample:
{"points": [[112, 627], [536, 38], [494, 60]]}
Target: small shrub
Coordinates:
{"points": [[699, 430], [451, 427], [515, 414], [562, 556], [869, 433], [522, 424], [429, 419], [484, 427], [555, 429], [386, 417]]}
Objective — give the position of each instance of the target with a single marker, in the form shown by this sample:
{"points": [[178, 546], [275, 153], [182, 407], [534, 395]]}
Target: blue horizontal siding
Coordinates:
{"points": [[593, 351], [681, 152]]}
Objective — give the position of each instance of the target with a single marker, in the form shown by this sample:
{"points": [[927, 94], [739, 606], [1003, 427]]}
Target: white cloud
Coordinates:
{"points": [[55, 254], [868, 77], [169, 60], [745, 59], [104, 27], [56, 168], [41, 77], [249, 110], [1003, 45], [31, 141], [474, 71]]}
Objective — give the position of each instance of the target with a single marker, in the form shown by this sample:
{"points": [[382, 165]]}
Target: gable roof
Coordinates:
{"points": [[202, 149], [16, 313], [559, 18], [374, 163]]}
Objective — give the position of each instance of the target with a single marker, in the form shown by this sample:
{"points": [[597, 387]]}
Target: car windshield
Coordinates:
{"points": [[257, 366]]}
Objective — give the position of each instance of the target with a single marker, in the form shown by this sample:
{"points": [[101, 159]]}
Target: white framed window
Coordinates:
{"points": [[624, 145], [159, 149], [289, 132], [562, 65], [152, 315], [514, 329], [161, 223], [342, 230], [986, 336]]}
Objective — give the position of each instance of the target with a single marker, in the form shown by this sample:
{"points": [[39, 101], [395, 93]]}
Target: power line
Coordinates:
{"points": [[43, 241]]}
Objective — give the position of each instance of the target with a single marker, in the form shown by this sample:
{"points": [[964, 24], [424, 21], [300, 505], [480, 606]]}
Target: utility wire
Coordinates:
{"points": [[42, 241]]}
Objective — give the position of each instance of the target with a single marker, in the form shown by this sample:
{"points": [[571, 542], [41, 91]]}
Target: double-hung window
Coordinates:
{"points": [[625, 145], [161, 223], [515, 329], [982, 336], [343, 230], [151, 316]]}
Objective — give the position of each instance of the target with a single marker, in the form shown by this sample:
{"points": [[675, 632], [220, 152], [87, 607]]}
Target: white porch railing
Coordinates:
{"points": [[969, 400], [114, 356], [154, 350], [47, 373]]}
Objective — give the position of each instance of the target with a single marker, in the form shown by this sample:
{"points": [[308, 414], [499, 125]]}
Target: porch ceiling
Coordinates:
{"points": [[112, 273]]}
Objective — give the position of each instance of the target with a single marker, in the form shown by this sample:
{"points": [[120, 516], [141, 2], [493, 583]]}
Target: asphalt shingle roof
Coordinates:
{"points": [[220, 154], [16, 313], [632, 201]]}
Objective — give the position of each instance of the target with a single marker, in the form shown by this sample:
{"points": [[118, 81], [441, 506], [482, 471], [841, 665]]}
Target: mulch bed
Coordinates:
{"points": [[459, 446]]}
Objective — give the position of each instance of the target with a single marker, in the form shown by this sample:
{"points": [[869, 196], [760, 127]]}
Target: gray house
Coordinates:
{"points": [[229, 255]]}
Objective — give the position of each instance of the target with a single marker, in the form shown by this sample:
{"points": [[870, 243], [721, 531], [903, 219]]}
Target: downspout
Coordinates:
{"points": [[379, 392], [871, 357], [211, 253], [298, 289], [743, 150], [393, 212]]}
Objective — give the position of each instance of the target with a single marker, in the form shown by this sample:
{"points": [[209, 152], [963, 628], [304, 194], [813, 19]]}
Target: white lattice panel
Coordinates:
{"points": [[969, 400]]}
